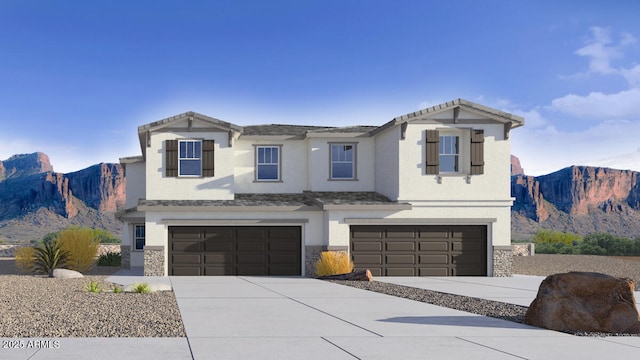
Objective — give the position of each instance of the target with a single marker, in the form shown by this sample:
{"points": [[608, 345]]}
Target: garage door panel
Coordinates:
{"points": [[409, 271], [367, 246], [235, 250], [219, 258], [187, 270], [280, 245], [437, 251], [401, 246], [435, 259], [251, 233], [187, 259], [217, 245], [438, 246], [368, 233], [186, 246], [434, 272], [368, 259], [187, 234], [401, 259], [244, 258]]}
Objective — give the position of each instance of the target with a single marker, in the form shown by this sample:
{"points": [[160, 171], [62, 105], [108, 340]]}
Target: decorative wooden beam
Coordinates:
{"points": [[403, 130], [507, 129], [456, 113]]}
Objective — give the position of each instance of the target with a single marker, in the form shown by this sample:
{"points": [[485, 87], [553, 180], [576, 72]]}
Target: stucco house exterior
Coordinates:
{"points": [[425, 194]]}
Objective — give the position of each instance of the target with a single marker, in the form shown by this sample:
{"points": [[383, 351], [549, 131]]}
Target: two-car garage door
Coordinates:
{"points": [[235, 250], [420, 250]]}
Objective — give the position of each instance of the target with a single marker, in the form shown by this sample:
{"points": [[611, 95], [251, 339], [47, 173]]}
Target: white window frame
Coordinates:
{"points": [[193, 157], [353, 161], [277, 163], [136, 237], [447, 149]]}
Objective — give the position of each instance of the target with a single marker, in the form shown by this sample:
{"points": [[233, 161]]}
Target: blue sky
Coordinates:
{"points": [[78, 77]]}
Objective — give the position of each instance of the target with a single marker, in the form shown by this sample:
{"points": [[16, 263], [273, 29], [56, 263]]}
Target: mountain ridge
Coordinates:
{"points": [[37, 200]]}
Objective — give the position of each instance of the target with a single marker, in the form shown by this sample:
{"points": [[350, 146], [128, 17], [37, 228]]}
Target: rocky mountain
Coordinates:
{"points": [[580, 199], [35, 200]]}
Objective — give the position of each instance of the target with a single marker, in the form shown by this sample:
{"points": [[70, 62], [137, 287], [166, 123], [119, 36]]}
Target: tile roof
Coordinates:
{"points": [[306, 199], [240, 200], [301, 130]]}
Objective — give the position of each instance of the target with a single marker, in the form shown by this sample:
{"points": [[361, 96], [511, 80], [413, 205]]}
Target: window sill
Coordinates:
{"points": [[342, 179], [268, 181], [442, 175]]}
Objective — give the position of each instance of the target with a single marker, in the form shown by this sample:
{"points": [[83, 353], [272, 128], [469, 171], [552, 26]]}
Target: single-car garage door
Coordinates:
{"points": [[235, 250], [420, 250]]}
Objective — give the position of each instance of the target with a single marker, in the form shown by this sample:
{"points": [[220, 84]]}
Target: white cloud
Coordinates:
{"points": [[597, 105], [601, 50]]}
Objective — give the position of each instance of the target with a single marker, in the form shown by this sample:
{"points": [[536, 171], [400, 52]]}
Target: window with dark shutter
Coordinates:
{"points": [[207, 158], [432, 152], [477, 152], [171, 158]]}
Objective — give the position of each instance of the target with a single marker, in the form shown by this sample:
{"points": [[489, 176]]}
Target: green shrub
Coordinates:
{"points": [[551, 237], [332, 263], [49, 256], [25, 259], [105, 237], [82, 246], [141, 288], [611, 245], [93, 286], [116, 289], [110, 259]]}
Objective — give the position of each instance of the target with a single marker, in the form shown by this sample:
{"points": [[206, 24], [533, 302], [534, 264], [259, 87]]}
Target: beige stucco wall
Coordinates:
{"points": [[135, 174], [318, 169], [161, 187], [293, 160]]}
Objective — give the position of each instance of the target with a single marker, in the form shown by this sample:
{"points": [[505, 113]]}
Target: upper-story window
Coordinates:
{"points": [[268, 163], [190, 158], [454, 151], [343, 162], [449, 153]]}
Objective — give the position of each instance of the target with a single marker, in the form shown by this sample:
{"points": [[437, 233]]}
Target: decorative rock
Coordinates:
{"points": [[585, 302], [66, 274]]}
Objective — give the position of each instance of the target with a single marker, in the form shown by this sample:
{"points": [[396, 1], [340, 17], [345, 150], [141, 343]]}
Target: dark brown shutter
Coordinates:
{"points": [[171, 158], [207, 158], [477, 152], [433, 152]]}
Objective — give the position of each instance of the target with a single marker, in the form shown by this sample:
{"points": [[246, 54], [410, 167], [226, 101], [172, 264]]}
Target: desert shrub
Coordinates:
{"points": [[142, 288], [81, 245], [25, 259], [93, 286], [50, 256], [105, 237], [555, 248], [607, 244], [332, 263], [50, 237], [110, 259], [554, 236]]}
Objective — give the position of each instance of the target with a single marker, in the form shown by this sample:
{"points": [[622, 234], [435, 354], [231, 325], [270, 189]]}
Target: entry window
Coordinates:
{"points": [[139, 237], [190, 158], [343, 161], [268, 163], [449, 153]]}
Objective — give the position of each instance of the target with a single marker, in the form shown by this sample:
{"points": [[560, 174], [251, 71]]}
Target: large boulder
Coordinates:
{"points": [[585, 302], [66, 274]]}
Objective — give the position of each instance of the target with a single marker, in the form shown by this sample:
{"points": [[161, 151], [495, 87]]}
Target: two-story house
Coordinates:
{"points": [[425, 194]]}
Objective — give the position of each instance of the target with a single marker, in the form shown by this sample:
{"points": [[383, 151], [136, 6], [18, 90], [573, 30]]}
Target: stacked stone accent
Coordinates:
{"points": [[502, 261], [125, 252], [154, 261], [528, 249]]}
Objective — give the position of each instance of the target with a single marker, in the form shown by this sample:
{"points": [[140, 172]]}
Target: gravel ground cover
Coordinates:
{"points": [[34, 306], [543, 265]]}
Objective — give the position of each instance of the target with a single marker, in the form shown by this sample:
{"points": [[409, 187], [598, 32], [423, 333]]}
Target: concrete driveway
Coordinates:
{"points": [[300, 318]]}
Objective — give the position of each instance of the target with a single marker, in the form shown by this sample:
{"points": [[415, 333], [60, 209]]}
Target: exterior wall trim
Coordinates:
{"points": [[216, 222], [418, 221]]}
